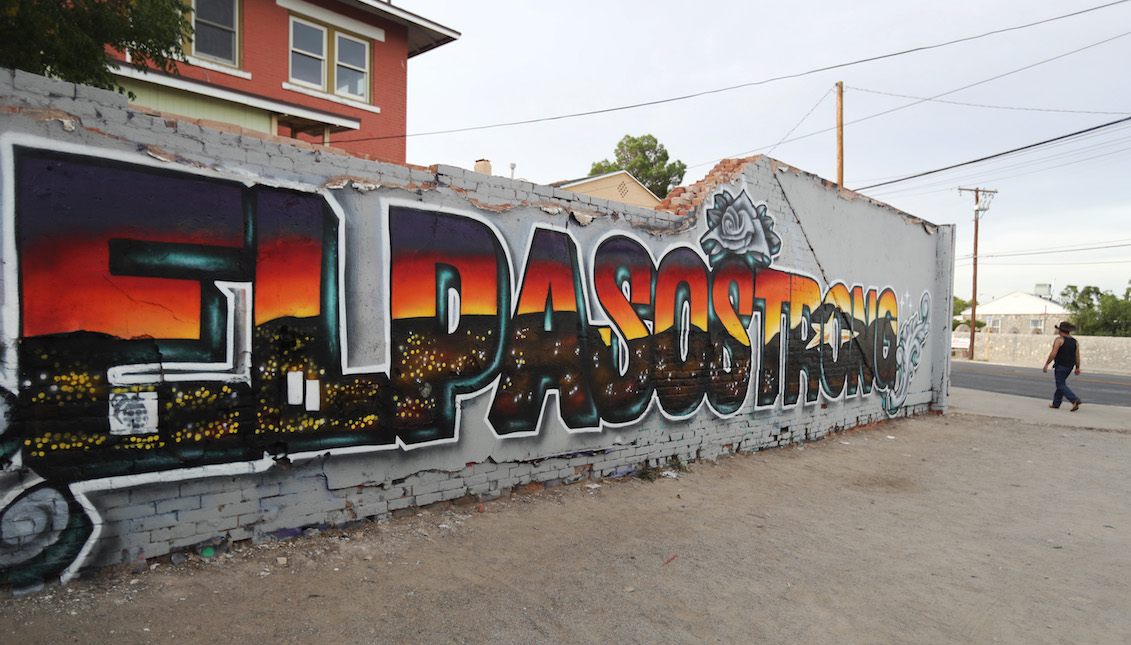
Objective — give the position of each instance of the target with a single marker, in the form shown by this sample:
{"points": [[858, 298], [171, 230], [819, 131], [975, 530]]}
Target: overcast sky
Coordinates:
{"points": [[518, 60]]}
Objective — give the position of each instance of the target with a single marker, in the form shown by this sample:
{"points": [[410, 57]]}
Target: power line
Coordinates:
{"points": [[991, 176], [1000, 154], [981, 105], [739, 86], [959, 89], [949, 183], [811, 110], [1049, 264], [1081, 246]]}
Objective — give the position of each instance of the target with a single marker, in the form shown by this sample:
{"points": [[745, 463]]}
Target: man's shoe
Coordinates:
{"points": [[1053, 406], [1076, 406]]}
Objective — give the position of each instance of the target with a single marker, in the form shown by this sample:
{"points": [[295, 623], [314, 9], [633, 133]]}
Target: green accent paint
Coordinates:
{"points": [[330, 294], [200, 262], [196, 106], [178, 261]]}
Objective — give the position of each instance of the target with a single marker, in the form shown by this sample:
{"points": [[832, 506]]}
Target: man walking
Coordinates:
{"points": [[1064, 356]]}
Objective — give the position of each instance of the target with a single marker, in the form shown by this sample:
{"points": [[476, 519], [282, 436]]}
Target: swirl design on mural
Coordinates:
{"points": [[31, 524], [912, 339], [738, 227]]}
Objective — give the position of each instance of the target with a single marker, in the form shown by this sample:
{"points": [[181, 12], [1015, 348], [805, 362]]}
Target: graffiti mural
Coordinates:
{"points": [[912, 339], [161, 322]]}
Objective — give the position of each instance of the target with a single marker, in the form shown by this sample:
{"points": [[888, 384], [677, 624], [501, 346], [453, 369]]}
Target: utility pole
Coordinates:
{"points": [[840, 133], [982, 198]]}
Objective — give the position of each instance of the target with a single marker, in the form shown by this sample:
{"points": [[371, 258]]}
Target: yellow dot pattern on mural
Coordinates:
{"points": [[54, 441]]}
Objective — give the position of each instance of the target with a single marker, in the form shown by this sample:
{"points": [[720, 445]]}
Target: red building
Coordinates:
{"points": [[325, 71]]}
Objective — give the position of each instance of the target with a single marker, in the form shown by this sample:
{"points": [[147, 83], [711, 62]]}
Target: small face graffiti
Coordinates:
{"points": [[130, 412]]}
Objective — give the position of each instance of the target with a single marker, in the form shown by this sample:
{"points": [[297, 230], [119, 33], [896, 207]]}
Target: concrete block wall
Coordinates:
{"points": [[295, 338], [1099, 353]]}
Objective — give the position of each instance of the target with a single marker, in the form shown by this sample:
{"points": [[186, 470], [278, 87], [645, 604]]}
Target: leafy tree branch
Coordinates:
{"points": [[646, 159], [1098, 313], [69, 39]]}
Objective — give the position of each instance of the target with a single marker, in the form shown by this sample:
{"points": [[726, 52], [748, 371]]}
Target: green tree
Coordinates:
{"points": [[67, 39], [1098, 313], [960, 305], [647, 160]]}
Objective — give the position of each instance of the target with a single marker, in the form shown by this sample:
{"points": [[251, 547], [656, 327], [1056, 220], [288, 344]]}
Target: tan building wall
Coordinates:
{"points": [[618, 187]]}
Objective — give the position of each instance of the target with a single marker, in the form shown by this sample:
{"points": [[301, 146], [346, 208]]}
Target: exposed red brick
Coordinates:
{"points": [[685, 200], [526, 489]]}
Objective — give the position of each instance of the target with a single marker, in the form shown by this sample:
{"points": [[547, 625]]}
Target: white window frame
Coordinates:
{"points": [[1036, 323], [291, 51], [235, 62], [364, 97]]}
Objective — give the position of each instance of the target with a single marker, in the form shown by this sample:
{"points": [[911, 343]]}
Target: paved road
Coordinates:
{"points": [[1095, 388]]}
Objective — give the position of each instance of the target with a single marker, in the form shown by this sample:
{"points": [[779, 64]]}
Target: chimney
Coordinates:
{"points": [[483, 166], [1043, 290]]}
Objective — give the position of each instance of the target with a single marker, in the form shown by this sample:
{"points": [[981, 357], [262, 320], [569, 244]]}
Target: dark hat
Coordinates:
{"points": [[1066, 327]]}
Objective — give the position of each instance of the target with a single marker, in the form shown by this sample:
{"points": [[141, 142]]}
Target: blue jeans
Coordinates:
{"points": [[1062, 392]]}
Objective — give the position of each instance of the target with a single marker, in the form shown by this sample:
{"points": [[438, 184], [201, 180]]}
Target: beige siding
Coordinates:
{"points": [[617, 188], [164, 99]]}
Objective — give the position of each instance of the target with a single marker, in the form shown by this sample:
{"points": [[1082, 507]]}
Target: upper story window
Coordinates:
{"points": [[214, 22], [351, 73], [325, 59], [308, 53]]}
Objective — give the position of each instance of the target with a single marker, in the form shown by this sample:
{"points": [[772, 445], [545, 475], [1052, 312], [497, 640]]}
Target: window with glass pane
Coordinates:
{"points": [[308, 53], [351, 71], [214, 22]]}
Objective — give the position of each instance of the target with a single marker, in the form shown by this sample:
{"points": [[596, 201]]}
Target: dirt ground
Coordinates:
{"points": [[955, 529]]}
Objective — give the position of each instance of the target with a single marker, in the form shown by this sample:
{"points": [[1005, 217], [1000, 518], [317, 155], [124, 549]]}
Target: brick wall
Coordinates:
{"points": [[365, 337], [264, 67]]}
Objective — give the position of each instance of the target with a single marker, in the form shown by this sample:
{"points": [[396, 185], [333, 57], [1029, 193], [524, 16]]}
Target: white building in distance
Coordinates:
{"points": [[1020, 313]]}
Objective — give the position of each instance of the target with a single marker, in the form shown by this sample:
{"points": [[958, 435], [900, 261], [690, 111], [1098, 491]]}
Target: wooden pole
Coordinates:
{"points": [[974, 298], [979, 210], [840, 133]]}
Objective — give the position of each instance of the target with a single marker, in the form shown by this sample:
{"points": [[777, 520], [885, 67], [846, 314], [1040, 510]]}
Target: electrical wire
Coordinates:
{"points": [[1061, 166], [1044, 264], [982, 105], [1021, 253], [739, 86], [990, 176], [912, 104], [1057, 155], [807, 114], [1082, 246], [999, 154]]}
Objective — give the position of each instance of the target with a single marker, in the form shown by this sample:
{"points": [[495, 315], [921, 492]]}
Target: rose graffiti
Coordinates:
{"points": [[736, 226]]}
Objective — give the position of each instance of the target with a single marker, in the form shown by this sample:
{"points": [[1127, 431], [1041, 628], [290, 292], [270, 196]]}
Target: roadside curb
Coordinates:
{"points": [[1032, 410]]}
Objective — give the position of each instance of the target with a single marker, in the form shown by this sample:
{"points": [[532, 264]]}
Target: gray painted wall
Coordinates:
{"points": [[863, 289]]}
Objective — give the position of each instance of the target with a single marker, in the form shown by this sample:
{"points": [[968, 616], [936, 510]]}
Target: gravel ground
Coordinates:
{"points": [[939, 529]]}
